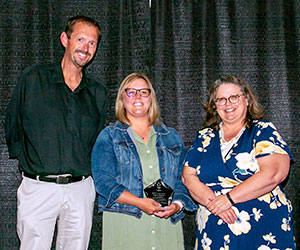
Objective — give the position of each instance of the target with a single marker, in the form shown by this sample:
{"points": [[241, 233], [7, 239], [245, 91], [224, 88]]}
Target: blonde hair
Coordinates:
{"points": [[254, 109], [154, 114]]}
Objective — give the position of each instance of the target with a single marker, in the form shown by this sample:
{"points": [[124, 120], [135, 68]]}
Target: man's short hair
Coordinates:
{"points": [[76, 19]]}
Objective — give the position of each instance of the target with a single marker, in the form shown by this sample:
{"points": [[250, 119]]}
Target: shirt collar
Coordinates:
{"points": [[58, 77]]}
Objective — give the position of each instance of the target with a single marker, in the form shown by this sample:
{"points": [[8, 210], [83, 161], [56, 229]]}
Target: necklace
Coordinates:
{"points": [[144, 134]]}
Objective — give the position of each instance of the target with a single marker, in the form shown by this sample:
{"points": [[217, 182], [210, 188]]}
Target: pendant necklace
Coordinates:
{"points": [[142, 135]]}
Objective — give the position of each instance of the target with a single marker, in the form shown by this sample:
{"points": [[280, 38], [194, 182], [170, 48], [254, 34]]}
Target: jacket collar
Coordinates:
{"points": [[162, 129]]}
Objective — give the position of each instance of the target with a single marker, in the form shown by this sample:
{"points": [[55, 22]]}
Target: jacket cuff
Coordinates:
{"points": [[189, 204], [114, 195], [177, 217]]}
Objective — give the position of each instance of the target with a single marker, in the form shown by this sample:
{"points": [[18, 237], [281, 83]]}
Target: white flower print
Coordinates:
{"points": [[281, 196], [220, 222], [257, 214], [266, 124], [247, 161], [226, 242], [202, 217], [206, 141], [227, 182], [290, 207], [201, 149], [241, 225], [266, 198], [206, 242], [279, 138], [267, 148], [285, 224], [264, 247], [204, 131], [270, 238], [276, 198], [206, 134], [198, 170]]}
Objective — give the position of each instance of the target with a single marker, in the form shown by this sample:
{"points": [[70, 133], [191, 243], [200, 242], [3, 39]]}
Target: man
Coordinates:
{"points": [[52, 122]]}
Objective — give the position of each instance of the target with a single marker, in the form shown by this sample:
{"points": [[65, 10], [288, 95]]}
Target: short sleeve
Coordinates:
{"points": [[199, 146], [268, 141]]}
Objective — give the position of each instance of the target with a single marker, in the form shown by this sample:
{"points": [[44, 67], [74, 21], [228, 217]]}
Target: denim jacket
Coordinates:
{"points": [[116, 167]]}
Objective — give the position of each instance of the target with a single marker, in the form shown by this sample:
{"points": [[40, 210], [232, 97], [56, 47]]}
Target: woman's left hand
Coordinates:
{"points": [[218, 205], [168, 211]]}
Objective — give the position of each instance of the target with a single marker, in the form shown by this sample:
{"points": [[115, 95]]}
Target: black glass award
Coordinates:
{"points": [[160, 192]]}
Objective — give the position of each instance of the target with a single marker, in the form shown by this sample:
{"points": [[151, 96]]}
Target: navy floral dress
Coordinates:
{"points": [[264, 223]]}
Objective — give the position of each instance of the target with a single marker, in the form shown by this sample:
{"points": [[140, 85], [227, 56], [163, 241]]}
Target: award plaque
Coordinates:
{"points": [[160, 192]]}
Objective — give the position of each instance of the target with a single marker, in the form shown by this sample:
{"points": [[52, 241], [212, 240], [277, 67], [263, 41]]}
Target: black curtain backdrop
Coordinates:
{"points": [[183, 46]]}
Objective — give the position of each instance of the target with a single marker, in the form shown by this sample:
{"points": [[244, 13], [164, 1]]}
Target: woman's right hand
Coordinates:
{"points": [[149, 206], [228, 216]]}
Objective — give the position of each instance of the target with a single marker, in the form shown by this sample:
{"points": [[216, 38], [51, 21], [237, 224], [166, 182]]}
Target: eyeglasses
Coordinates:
{"points": [[131, 92], [233, 99]]}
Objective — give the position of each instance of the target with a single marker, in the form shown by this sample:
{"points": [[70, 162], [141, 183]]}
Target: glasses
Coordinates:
{"points": [[131, 92], [223, 100]]}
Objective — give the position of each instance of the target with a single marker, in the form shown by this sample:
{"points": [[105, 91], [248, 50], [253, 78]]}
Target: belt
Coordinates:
{"points": [[58, 179]]}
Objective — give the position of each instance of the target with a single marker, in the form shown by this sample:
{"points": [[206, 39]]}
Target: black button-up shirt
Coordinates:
{"points": [[51, 129]]}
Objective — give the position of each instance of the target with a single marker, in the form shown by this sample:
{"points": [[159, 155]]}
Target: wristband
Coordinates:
{"points": [[229, 198]]}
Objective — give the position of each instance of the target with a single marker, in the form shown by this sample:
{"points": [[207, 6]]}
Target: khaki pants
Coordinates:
{"points": [[42, 204]]}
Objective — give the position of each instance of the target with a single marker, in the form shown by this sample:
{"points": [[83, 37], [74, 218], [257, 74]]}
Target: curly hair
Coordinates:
{"points": [[254, 109]]}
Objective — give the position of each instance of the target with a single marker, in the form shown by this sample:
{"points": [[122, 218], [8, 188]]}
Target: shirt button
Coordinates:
{"points": [[153, 248], [153, 231], [150, 167], [148, 151]]}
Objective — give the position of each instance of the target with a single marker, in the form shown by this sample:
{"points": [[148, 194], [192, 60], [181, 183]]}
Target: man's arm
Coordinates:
{"points": [[13, 124]]}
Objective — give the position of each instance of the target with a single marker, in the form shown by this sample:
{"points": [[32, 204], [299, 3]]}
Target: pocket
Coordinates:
{"points": [[26, 188], [175, 150], [123, 152], [174, 154], [20, 189]]}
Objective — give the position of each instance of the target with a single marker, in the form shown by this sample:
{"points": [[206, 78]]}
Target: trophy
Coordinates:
{"points": [[160, 192]]}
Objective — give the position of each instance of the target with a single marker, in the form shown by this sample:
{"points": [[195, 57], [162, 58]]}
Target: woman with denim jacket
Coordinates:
{"points": [[128, 156]]}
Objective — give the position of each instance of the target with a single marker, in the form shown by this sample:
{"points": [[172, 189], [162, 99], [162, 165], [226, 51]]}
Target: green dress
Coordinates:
{"points": [[125, 232]]}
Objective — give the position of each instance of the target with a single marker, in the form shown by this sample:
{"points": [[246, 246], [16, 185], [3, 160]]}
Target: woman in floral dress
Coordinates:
{"points": [[234, 170]]}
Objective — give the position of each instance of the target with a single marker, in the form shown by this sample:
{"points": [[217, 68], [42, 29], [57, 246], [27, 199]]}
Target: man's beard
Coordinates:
{"points": [[82, 62]]}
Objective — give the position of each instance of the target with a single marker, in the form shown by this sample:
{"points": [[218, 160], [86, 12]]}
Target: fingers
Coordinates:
{"points": [[150, 206], [228, 216], [232, 215], [168, 211], [164, 214], [218, 205]]}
